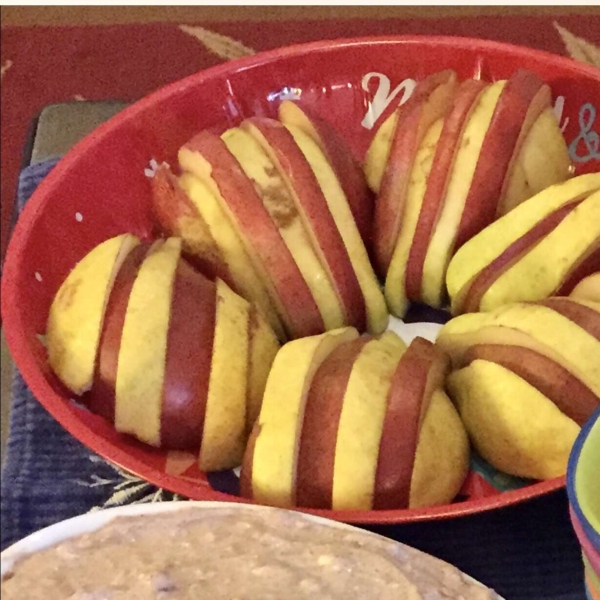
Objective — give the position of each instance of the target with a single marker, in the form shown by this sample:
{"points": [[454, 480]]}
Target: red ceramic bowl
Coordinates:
{"points": [[356, 83]]}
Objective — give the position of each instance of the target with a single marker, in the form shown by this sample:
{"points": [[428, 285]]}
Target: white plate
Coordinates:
{"points": [[88, 522]]}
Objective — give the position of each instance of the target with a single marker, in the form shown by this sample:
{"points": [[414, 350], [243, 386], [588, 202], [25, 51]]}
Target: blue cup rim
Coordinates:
{"points": [[591, 533]]}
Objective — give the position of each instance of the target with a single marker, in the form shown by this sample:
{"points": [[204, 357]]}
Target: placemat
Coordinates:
{"points": [[44, 65], [523, 552]]}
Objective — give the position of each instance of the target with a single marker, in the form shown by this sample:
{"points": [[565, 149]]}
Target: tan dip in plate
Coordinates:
{"points": [[231, 552]]}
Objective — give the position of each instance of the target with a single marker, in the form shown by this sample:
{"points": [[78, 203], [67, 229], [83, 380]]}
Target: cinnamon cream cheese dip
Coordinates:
{"points": [[233, 553]]}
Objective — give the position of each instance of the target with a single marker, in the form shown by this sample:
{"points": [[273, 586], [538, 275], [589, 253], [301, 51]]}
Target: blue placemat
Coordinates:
{"points": [[524, 552]]}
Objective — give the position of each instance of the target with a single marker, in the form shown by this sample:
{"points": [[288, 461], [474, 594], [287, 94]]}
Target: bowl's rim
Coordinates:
{"points": [[92, 521], [13, 264], [592, 535]]}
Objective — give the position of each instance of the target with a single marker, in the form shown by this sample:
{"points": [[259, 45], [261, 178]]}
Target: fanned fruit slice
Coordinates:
{"points": [[456, 156], [362, 427], [339, 155], [179, 361], [528, 376], [281, 212], [509, 260]]}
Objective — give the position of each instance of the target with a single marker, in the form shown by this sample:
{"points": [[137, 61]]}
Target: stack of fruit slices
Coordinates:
{"points": [[446, 164], [270, 229], [168, 356], [263, 207], [353, 422]]}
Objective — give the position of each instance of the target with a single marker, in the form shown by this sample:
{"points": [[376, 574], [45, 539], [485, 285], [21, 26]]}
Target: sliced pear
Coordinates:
{"points": [[531, 278], [395, 284], [361, 425], [242, 271], [442, 458], [377, 315], [512, 425], [273, 461], [77, 312], [441, 246], [143, 349], [491, 242], [263, 349], [224, 434], [278, 202]]}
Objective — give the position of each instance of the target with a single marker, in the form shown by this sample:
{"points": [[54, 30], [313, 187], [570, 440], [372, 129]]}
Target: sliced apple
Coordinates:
{"points": [[377, 315], [245, 280], [588, 288], [443, 241], [543, 160], [442, 457], [395, 282], [77, 312], [568, 393], [378, 152], [431, 100], [209, 159], [143, 348], [437, 183], [585, 315], [339, 155], [421, 370], [361, 425], [530, 278], [316, 214], [177, 216], [281, 208], [262, 351], [224, 432], [101, 397], [316, 456], [469, 297], [188, 359], [271, 456], [512, 425], [522, 96], [530, 325], [495, 239], [586, 268], [538, 96]]}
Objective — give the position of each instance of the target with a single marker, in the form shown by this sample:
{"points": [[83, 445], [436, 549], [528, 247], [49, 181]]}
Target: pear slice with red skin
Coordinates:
{"points": [[213, 160], [541, 102], [262, 349], [143, 347], [76, 315], [588, 265], [469, 297], [567, 392], [437, 182], [420, 372], [270, 461], [588, 288], [316, 457], [188, 360], [339, 155], [431, 99], [497, 152], [584, 316], [176, 215], [312, 205], [101, 398]]}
